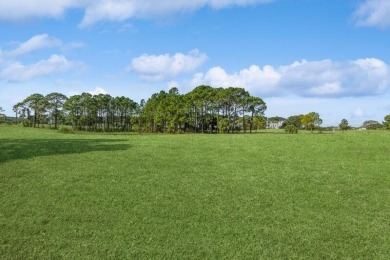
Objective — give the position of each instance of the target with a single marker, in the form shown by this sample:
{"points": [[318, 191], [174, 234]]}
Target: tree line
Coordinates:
{"points": [[312, 121], [203, 110]]}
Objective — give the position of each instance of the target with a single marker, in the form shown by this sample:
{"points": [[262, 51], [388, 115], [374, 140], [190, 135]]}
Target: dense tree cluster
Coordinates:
{"points": [[99, 112], [205, 110]]}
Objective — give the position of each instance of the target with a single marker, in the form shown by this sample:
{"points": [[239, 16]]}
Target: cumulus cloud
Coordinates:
{"points": [[265, 78], [324, 78], [111, 10], [16, 71], [373, 13], [159, 67]]}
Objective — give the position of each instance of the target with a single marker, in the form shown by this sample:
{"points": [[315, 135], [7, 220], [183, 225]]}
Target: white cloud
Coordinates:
{"points": [[324, 78], [73, 45], [159, 67], [358, 112], [326, 89], [262, 79], [119, 10], [13, 67], [16, 71], [373, 13], [36, 42], [21, 9], [111, 10], [97, 91]]}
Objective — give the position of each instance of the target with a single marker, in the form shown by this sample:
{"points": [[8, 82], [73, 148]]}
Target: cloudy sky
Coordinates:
{"points": [[328, 56]]}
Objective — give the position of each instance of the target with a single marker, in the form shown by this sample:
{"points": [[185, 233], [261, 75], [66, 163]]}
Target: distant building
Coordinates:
{"points": [[275, 122]]}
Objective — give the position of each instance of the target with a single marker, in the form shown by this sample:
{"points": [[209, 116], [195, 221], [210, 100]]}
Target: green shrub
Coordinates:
{"points": [[66, 130], [291, 129], [26, 123]]}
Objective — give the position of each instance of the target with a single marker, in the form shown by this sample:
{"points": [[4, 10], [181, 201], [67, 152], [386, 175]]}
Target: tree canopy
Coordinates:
{"points": [[371, 125], [293, 120], [344, 125], [311, 121]]}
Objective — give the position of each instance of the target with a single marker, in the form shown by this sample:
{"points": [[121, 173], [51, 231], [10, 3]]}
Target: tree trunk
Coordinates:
{"points": [[55, 121]]}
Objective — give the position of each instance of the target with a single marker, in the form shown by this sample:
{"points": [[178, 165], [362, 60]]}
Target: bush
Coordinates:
{"points": [[291, 129], [66, 130], [26, 123]]}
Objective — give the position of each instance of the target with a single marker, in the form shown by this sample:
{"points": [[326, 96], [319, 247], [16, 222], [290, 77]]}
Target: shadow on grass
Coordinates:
{"points": [[14, 149]]}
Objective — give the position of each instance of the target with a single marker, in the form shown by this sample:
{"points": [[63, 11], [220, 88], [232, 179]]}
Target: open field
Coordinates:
{"points": [[266, 195]]}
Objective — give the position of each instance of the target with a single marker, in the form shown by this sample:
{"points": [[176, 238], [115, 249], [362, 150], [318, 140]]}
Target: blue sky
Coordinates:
{"points": [[328, 56]]}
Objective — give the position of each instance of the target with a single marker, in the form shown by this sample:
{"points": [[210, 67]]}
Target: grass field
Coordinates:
{"points": [[266, 195]]}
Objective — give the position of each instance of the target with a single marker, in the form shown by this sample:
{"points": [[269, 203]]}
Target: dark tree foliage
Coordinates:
{"points": [[32, 109], [293, 120], [386, 123], [291, 129], [371, 125], [100, 112], [55, 102], [344, 125]]}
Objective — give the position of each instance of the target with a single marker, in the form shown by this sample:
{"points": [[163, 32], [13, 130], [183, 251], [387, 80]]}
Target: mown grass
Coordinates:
{"points": [[266, 195]]}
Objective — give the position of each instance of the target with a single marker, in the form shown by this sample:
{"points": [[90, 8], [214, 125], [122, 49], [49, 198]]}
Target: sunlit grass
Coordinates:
{"points": [[265, 195]]}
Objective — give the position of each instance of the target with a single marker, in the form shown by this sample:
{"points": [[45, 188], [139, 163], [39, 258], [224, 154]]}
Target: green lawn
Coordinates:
{"points": [[266, 195]]}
